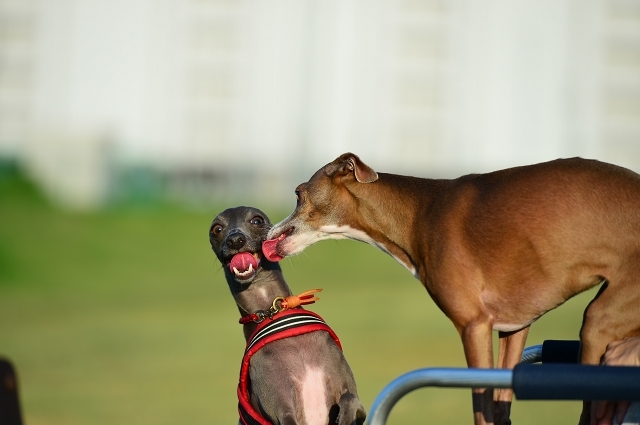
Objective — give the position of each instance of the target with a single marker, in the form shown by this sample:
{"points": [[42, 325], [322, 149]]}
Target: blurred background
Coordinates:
{"points": [[204, 97], [127, 125]]}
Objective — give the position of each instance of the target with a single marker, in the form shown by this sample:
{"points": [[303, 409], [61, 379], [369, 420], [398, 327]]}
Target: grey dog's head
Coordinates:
{"points": [[236, 237]]}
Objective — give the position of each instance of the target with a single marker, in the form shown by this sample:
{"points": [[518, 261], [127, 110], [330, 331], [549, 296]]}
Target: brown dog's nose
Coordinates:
{"points": [[236, 240]]}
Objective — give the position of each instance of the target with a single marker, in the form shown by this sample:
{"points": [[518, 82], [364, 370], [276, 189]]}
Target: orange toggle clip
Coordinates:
{"points": [[294, 301]]}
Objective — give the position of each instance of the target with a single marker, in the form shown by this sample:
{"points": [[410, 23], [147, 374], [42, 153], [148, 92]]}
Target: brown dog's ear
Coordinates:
{"points": [[350, 162], [363, 173]]}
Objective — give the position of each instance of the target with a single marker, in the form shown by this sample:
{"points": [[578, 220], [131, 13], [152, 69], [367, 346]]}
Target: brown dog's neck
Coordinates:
{"points": [[259, 294], [390, 200], [397, 194]]}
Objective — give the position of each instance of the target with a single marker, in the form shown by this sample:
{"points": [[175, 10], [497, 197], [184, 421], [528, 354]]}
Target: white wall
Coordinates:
{"points": [[428, 87]]}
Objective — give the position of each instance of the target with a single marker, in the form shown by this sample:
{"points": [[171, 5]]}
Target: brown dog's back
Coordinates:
{"points": [[534, 236]]}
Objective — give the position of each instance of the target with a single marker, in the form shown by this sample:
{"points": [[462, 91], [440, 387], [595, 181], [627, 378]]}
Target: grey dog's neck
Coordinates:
{"points": [[259, 294]]}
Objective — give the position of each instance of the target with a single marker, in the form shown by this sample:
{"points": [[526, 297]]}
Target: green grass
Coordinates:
{"points": [[124, 316]]}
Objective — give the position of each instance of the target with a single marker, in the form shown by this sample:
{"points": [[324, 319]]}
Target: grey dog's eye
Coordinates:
{"points": [[257, 220], [216, 229]]}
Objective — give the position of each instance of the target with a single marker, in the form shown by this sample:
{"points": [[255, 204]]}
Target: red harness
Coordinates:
{"points": [[285, 324]]}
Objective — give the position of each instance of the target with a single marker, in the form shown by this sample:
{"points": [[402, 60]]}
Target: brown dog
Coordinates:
{"points": [[495, 251]]}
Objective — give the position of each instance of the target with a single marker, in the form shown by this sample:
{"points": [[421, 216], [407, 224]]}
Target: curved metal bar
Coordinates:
{"points": [[444, 377], [435, 377], [532, 354]]}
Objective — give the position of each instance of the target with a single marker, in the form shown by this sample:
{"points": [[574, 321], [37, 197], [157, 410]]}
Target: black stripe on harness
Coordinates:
{"points": [[282, 325]]}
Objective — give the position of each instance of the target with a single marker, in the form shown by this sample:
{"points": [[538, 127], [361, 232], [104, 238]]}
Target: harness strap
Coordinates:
{"points": [[286, 324]]}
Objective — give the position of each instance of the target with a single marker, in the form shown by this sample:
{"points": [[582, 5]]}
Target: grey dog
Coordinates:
{"points": [[301, 379]]}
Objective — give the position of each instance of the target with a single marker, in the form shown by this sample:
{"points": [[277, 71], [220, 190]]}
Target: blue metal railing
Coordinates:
{"points": [[553, 381]]}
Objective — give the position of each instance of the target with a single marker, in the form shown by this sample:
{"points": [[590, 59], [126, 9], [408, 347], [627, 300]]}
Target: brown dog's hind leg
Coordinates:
{"points": [[509, 355], [611, 316]]}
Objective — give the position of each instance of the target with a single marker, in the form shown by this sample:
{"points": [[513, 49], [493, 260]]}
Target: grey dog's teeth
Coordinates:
{"points": [[243, 274]]}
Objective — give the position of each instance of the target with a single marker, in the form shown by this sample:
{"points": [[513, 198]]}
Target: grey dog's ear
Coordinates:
{"points": [[350, 162]]}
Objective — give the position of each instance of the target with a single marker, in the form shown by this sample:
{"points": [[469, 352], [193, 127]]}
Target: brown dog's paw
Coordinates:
{"points": [[501, 413]]}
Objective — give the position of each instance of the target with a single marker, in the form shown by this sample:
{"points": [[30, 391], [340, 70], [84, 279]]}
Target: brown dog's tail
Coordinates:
{"points": [[350, 410]]}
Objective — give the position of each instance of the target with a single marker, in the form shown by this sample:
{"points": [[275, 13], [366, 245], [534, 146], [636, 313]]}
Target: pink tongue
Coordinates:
{"points": [[242, 261], [269, 250]]}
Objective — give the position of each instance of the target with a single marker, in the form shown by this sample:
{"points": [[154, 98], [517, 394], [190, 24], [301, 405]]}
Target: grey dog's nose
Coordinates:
{"points": [[236, 240]]}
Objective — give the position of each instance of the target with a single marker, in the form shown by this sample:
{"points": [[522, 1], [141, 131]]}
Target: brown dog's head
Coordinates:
{"points": [[323, 210], [236, 237]]}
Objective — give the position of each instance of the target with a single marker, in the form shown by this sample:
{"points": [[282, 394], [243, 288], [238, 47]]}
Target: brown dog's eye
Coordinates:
{"points": [[297, 195], [216, 229], [257, 220]]}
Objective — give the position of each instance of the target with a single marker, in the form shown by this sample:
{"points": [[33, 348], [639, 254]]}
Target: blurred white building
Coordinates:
{"points": [[249, 98]]}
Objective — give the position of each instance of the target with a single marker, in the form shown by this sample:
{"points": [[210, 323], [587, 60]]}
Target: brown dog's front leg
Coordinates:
{"points": [[509, 355], [478, 350], [482, 406]]}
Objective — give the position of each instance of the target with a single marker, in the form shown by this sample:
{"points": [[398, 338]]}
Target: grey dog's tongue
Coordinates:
{"points": [[269, 250], [242, 261]]}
